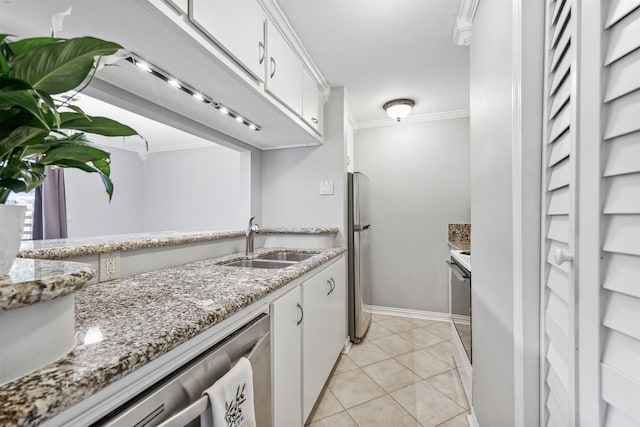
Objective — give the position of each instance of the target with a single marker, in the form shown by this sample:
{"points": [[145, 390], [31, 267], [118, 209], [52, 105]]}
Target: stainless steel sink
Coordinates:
{"points": [[260, 263], [287, 256]]}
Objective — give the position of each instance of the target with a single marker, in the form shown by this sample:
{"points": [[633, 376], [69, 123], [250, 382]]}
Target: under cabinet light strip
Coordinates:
{"points": [[189, 90]]}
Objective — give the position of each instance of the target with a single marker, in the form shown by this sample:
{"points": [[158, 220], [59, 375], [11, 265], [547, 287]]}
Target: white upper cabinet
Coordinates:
{"points": [[312, 103], [237, 26], [284, 70]]}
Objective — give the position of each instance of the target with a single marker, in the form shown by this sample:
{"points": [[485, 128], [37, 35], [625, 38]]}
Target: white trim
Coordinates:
{"points": [[346, 348], [406, 312], [464, 22], [429, 117], [459, 318], [471, 419], [517, 213], [279, 19], [135, 149], [275, 147]]}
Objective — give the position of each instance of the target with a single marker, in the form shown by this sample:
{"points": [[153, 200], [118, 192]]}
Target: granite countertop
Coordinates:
{"points": [[459, 245], [67, 248], [30, 281], [140, 318]]}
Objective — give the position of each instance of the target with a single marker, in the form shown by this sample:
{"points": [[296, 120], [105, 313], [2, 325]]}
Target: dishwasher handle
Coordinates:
{"points": [[201, 405]]}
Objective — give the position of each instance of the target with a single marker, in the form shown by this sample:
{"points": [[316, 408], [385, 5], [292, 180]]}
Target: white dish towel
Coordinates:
{"points": [[231, 398]]}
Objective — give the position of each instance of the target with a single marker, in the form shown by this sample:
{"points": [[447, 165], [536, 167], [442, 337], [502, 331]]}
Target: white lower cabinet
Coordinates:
{"points": [[308, 331]]}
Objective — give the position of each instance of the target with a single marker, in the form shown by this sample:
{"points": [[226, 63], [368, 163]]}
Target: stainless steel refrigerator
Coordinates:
{"points": [[358, 234]]}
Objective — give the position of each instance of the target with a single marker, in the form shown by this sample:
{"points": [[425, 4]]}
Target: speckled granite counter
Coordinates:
{"points": [[31, 281], [459, 236], [67, 248], [141, 318]]}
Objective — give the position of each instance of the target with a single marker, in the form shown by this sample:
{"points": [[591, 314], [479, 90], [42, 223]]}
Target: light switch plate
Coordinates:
{"points": [[109, 266], [326, 188]]}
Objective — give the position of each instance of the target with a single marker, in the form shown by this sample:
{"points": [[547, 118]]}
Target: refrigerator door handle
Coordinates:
{"points": [[361, 227]]}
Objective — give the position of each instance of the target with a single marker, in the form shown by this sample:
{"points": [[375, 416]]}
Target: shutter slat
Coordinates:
{"points": [[556, 386], [621, 274], [552, 249], [558, 338], [623, 155], [623, 234], [560, 124], [617, 418], [621, 391], [622, 314], [556, 11], [623, 116], [623, 37], [559, 312], [559, 202], [555, 411], [558, 282], [618, 9], [561, 72], [557, 364], [560, 149], [561, 50], [559, 228], [560, 175], [624, 76], [621, 353], [623, 195], [560, 98], [561, 26]]}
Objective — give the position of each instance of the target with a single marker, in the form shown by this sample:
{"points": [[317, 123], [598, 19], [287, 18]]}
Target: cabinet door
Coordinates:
{"points": [[286, 317], [284, 70], [237, 26], [312, 103], [324, 329]]}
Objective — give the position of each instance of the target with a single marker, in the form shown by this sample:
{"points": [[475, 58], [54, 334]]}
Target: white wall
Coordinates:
{"points": [[291, 178], [419, 183], [506, 100], [89, 212], [197, 189]]}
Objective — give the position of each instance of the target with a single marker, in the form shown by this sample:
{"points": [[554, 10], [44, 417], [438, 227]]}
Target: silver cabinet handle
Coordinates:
{"points": [[330, 287], [273, 67], [261, 52], [301, 314], [314, 120]]}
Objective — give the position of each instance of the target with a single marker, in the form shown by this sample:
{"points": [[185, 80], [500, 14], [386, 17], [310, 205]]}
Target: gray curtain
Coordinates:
{"points": [[50, 207]]}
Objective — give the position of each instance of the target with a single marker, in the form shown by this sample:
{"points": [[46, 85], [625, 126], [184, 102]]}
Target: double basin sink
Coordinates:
{"points": [[271, 261]]}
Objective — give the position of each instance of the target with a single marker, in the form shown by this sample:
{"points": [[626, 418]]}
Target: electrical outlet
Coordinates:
{"points": [[109, 266], [326, 188]]}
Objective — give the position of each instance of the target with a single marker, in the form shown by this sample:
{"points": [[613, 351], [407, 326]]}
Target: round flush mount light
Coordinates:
{"points": [[398, 109]]}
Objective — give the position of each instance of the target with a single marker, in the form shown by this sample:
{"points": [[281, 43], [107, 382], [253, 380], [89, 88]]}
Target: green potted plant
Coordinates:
{"points": [[38, 129]]}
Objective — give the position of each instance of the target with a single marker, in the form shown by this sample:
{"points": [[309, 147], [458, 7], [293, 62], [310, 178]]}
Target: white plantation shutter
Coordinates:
{"points": [[620, 366], [558, 315]]}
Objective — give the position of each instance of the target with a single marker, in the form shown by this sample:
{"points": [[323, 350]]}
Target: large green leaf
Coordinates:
{"points": [[108, 184], [9, 84], [98, 125], [19, 136], [79, 152], [23, 99], [23, 46], [62, 66]]}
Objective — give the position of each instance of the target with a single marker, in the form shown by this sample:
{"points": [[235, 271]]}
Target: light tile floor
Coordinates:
{"points": [[402, 374]]}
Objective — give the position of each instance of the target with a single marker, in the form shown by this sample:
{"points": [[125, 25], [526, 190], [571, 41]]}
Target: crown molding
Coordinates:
{"points": [[277, 16], [464, 22], [420, 118]]}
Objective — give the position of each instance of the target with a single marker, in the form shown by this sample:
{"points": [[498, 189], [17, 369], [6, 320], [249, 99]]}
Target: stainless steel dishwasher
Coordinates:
{"points": [[177, 399]]}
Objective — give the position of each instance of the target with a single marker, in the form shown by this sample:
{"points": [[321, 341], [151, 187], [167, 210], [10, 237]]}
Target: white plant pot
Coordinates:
{"points": [[11, 227]]}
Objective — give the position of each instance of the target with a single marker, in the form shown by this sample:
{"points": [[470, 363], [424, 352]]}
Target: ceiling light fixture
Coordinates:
{"points": [[189, 90], [400, 108]]}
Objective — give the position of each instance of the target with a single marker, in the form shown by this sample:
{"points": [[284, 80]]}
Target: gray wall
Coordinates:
{"points": [[419, 176], [89, 212], [291, 178], [197, 189], [505, 195]]}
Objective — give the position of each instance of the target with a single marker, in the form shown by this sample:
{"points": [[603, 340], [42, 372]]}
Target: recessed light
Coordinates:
{"points": [[223, 110], [198, 96], [143, 66], [239, 119], [174, 83]]}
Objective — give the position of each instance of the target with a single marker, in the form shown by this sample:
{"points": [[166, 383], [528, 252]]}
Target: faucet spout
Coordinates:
{"points": [[252, 230]]}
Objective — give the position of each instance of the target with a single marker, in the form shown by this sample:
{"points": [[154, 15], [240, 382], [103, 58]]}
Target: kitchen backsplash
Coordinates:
{"points": [[460, 233]]}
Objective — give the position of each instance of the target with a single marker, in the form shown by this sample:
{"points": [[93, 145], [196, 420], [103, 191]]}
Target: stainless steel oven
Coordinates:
{"points": [[460, 297]]}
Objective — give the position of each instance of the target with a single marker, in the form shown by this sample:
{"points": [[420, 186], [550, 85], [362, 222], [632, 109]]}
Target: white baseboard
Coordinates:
{"points": [[347, 346], [459, 318], [405, 312], [472, 420]]}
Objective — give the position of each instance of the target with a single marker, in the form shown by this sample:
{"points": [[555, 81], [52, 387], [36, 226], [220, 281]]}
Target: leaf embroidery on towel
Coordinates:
{"points": [[233, 410]]}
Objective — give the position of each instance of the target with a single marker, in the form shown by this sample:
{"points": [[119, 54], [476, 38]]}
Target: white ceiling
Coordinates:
{"points": [[386, 49]]}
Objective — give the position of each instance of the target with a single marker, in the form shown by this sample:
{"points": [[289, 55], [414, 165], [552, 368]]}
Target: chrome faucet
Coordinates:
{"points": [[252, 230]]}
